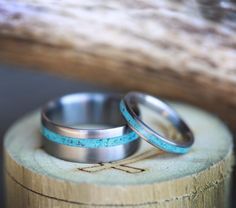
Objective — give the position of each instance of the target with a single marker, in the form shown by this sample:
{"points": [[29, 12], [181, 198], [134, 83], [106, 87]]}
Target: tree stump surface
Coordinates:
{"points": [[150, 178], [164, 47]]}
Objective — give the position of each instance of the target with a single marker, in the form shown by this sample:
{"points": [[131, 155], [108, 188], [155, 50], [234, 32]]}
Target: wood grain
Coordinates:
{"points": [[163, 47], [149, 178]]}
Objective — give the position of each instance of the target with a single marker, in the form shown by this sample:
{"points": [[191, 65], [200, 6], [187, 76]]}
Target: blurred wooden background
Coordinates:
{"points": [[164, 47]]}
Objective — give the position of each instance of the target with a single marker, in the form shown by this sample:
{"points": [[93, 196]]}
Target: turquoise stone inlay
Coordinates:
{"points": [[90, 142], [153, 139]]}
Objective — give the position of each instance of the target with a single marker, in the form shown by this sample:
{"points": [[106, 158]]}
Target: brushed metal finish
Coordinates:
{"points": [[132, 101], [69, 115], [91, 155], [63, 115]]}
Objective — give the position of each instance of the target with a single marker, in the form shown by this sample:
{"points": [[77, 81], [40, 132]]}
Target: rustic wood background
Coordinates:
{"points": [[164, 47]]}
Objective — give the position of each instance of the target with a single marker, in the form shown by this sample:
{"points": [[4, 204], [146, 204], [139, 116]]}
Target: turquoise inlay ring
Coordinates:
{"points": [[129, 108], [89, 142], [88, 128]]}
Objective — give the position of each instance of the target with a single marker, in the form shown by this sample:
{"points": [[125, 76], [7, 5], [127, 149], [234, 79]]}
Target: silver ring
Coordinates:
{"points": [[129, 107], [67, 135]]}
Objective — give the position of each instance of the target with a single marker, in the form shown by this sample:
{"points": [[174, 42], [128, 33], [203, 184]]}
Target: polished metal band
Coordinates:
{"points": [[129, 107], [88, 128]]}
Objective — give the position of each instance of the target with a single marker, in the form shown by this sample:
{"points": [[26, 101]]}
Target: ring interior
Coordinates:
{"points": [[99, 111], [162, 109]]}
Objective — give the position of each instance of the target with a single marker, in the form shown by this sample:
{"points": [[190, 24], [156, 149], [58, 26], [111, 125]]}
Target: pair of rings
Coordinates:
{"points": [[104, 127]]}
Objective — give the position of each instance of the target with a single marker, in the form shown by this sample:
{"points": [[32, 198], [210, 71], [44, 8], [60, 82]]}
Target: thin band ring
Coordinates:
{"points": [[129, 106], [67, 135]]}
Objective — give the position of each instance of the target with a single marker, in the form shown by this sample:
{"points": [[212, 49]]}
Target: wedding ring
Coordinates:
{"points": [[129, 106], [87, 128]]}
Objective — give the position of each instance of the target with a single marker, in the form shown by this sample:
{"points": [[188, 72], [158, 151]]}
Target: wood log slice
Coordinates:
{"points": [[149, 178]]}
